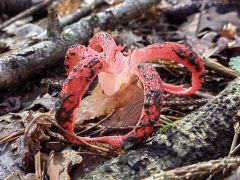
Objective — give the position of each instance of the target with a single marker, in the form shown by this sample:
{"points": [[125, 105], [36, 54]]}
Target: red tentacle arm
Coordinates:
{"points": [[153, 99], [75, 87], [175, 52], [73, 55]]}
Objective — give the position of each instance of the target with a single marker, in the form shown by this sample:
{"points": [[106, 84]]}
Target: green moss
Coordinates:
{"points": [[68, 35], [94, 20], [166, 126]]}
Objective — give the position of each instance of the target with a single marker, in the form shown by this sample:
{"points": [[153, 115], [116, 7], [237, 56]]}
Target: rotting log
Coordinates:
{"points": [[23, 63], [204, 135]]}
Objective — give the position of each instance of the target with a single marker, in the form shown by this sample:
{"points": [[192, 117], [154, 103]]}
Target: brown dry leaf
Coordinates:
{"points": [[66, 7], [126, 116], [54, 169], [11, 104], [11, 126], [35, 134], [221, 44], [14, 176], [212, 19], [20, 176], [98, 104], [46, 101], [11, 158], [191, 25], [206, 46], [37, 163], [60, 163]]}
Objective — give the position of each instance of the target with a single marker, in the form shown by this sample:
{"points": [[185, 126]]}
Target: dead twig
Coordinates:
{"points": [[26, 13], [179, 102], [200, 15], [236, 135], [198, 170], [204, 95], [101, 149], [80, 13], [11, 137], [37, 163], [209, 62], [97, 124]]}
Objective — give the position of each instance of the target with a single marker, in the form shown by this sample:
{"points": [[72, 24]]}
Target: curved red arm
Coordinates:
{"points": [[175, 52]]}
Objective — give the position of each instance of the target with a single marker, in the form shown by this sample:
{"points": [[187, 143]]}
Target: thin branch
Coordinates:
{"points": [[233, 148], [220, 68], [97, 124], [198, 170], [101, 149], [26, 13], [200, 15], [11, 137], [181, 102], [80, 13]]}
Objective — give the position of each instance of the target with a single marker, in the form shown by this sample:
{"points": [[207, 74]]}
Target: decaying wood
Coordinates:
{"points": [[23, 63], [203, 135]]}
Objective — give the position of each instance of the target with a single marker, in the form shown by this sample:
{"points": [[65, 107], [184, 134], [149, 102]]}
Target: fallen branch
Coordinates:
{"points": [[201, 136], [23, 63]]}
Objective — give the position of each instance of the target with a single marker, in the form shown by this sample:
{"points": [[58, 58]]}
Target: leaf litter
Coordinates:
{"points": [[212, 37]]}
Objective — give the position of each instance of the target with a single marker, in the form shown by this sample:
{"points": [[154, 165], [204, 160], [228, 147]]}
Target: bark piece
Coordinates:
{"points": [[23, 63], [203, 135]]}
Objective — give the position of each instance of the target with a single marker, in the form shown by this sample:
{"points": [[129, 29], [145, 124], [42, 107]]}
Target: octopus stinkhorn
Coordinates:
{"points": [[103, 57]]}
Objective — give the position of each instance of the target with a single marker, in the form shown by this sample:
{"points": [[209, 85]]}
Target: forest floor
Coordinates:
{"points": [[195, 137]]}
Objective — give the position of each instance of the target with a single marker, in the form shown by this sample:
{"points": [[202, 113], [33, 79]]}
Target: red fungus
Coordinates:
{"points": [[104, 58]]}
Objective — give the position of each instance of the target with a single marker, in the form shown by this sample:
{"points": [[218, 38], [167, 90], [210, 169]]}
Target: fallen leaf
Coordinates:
{"points": [[128, 38], [66, 7], [98, 103], [11, 104], [60, 163], [46, 102]]}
